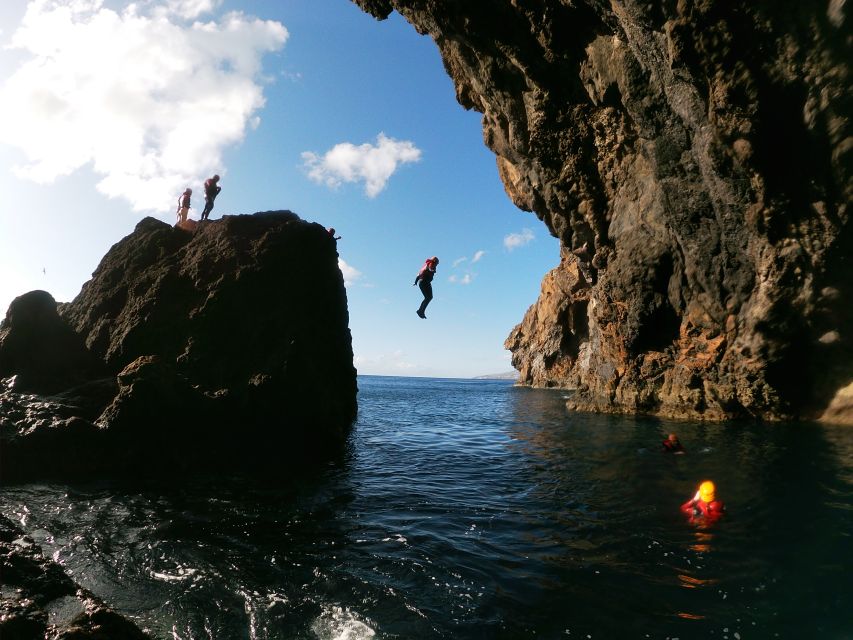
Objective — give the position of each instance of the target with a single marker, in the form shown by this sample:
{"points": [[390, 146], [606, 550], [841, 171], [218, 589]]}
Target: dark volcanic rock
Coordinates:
{"points": [[229, 345], [693, 158], [40, 349], [248, 309], [38, 599]]}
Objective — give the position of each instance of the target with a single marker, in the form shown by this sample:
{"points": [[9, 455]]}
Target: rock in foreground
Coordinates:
{"points": [[39, 600]]}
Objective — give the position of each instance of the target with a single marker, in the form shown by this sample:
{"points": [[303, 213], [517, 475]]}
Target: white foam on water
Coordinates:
{"points": [[340, 623]]}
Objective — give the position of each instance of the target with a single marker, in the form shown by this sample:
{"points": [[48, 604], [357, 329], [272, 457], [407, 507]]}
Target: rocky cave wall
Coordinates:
{"points": [[693, 158]]}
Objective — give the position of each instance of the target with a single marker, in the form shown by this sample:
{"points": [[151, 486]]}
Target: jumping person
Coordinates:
{"points": [[211, 190], [424, 281], [184, 205]]}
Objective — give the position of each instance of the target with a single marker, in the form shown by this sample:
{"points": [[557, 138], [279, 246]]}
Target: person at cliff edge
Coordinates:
{"points": [[704, 506], [211, 190], [184, 205], [424, 281]]}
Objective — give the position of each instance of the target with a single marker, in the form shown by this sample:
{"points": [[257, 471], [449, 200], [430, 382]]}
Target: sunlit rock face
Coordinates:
{"points": [[693, 158]]}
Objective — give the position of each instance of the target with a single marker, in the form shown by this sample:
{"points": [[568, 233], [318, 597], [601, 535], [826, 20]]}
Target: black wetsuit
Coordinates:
{"points": [[424, 282], [211, 190], [673, 447]]}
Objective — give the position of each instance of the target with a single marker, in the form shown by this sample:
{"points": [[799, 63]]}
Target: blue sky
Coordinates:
{"points": [[110, 109]]}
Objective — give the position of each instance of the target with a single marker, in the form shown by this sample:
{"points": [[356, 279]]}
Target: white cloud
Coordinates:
{"points": [[147, 99], [351, 274], [387, 363], [465, 279], [372, 164], [515, 240], [468, 276], [192, 8]]}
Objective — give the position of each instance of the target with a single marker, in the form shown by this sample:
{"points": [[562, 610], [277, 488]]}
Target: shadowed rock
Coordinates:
{"points": [[228, 346], [39, 600], [41, 350]]}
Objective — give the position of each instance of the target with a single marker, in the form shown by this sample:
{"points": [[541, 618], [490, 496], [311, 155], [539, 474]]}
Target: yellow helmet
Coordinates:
{"points": [[707, 491]]}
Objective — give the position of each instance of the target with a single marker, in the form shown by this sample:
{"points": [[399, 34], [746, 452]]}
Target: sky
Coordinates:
{"points": [[110, 108]]}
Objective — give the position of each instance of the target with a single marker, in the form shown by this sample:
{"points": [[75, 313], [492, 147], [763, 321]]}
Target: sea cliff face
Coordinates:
{"points": [[223, 347], [693, 158]]}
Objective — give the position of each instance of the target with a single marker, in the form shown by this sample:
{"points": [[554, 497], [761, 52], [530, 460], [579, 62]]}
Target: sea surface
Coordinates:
{"points": [[475, 509]]}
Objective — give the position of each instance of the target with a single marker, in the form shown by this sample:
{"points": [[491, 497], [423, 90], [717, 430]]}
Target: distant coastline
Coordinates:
{"points": [[508, 375]]}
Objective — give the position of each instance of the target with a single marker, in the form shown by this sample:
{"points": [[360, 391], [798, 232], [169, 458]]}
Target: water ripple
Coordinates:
{"points": [[468, 509]]}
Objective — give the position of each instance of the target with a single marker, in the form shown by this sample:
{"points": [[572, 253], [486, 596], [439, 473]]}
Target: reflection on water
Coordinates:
{"points": [[472, 509], [703, 542]]}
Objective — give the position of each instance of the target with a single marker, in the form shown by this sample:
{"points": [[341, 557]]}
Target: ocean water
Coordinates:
{"points": [[474, 509]]}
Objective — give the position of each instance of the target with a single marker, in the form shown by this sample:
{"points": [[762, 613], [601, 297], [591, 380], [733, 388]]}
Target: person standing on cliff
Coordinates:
{"points": [[184, 206], [211, 190], [424, 281]]}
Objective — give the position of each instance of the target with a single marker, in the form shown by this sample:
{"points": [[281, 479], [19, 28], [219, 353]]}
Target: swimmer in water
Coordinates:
{"points": [[673, 445], [704, 506]]}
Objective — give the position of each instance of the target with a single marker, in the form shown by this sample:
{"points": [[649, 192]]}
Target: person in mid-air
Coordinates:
{"points": [[704, 506], [424, 281], [184, 205], [211, 190], [673, 445]]}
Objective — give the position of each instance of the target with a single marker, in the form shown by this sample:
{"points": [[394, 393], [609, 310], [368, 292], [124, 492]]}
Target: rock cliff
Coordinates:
{"points": [[41, 350], [219, 346], [693, 158]]}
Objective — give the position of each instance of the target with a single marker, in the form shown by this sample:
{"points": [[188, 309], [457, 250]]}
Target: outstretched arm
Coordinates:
{"points": [[688, 506]]}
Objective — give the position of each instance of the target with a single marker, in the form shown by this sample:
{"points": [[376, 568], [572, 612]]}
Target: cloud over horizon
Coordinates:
{"points": [[394, 362], [372, 164], [350, 273], [134, 94], [516, 240]]}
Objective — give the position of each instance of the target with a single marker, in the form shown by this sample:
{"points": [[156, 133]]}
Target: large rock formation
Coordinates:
{"points": [[224, 345], [693, 158], [41, 350]]}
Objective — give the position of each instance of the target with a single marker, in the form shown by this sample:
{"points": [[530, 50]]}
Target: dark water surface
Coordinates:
{"points": [[473, 509]]}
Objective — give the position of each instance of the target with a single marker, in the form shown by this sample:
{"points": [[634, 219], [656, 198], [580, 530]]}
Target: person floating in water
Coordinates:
{"points": [[704, 506], [424, 281], [673, 445], [211, 190], [184, 206], [331, 232]]}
